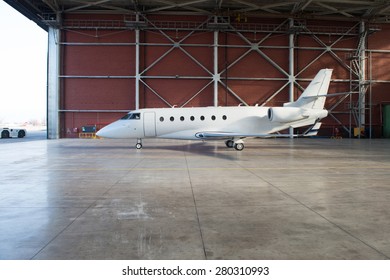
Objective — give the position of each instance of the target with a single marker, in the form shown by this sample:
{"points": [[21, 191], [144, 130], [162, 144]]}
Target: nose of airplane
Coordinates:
{"points": [[117, 129], [102, 132], [109, 131]]}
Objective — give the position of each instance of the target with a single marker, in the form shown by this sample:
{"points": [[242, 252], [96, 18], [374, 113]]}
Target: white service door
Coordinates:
{"points": [[150, 124]]}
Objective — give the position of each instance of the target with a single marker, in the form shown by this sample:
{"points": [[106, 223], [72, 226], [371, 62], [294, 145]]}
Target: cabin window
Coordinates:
{"points": [[132, 116], [224, 117], [172, 119], [213, 118], [126, 117], [192, 118], [182, 118], [161, 119], [202, 118]]}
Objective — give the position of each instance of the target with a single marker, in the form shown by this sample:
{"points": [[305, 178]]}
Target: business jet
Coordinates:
{"points": [[232, 124]]}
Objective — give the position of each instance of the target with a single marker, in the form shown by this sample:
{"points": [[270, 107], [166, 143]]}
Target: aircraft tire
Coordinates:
{"points": [[239, 146], [229, 143], [138, 146]]}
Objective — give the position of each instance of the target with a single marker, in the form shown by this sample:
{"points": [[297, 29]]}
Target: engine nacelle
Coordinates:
{"points": [[293, 114]]}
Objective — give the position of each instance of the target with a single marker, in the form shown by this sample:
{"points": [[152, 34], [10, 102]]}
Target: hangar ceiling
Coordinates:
{"points": [[374, 10]]}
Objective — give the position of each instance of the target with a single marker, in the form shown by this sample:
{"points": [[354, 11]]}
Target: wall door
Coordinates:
{"points": [[150, 124]]}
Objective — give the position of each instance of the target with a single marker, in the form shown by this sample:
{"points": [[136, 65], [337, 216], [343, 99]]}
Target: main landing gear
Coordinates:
{"points": [[238, 145], [139, 144]]}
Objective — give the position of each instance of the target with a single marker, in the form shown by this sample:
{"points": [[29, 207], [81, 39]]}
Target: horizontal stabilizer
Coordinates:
{"points": [[329, 95], [313, 130]]}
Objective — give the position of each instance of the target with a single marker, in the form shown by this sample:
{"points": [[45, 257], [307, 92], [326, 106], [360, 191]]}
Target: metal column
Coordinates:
{"points": [[362, 76], [216, 75], [291, 67], [137, 74], [53, 84]]}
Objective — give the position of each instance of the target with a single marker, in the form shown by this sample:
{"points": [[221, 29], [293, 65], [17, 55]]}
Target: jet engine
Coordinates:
{"points": [[293, 114]]}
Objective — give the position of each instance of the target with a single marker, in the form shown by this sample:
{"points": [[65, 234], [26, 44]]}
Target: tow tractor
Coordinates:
{"points": [[12, 132]]}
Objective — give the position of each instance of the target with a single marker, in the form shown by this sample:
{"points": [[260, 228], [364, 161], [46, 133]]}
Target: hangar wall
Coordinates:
{"points": [[110, 64]]}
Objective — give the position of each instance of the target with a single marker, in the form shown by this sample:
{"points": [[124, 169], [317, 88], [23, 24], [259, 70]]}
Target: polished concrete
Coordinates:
{"points": [[277, 199]]}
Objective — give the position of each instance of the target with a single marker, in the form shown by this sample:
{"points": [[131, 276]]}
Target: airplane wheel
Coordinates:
{"points": [[138, 146], [239, 146], [229, 143]]}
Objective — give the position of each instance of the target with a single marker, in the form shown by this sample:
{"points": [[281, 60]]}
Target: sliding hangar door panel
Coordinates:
{"points": [[106, 71]]}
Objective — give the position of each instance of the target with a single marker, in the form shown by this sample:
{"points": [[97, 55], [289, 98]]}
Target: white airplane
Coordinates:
{"points": [[231, 124]]}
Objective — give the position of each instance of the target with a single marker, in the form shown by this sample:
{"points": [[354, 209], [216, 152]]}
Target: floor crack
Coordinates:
{"points": [[196, 208]]}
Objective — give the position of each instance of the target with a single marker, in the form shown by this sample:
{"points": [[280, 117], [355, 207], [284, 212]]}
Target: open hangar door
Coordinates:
{"points": [[109, 57]]}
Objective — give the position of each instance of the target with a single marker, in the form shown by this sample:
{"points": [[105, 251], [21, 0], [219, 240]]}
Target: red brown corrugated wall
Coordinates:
{"points": [[98, 70]]}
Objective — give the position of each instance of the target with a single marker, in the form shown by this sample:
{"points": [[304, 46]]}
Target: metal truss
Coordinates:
{"points": [[288, 27], [174, 45], [373, 11], [357, 67]]}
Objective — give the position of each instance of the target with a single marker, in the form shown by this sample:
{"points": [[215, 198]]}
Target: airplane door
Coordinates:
{"points": [[150, 124]]}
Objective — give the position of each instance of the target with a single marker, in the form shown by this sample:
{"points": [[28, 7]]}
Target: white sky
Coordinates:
{"points": [[23, 55]]}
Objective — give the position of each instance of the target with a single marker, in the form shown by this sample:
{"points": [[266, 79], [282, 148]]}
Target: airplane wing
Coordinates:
{"points": [[225, 135], [218, 135]]}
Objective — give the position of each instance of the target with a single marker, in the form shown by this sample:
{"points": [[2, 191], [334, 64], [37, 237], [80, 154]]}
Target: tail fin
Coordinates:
{"points": [[315, 94]]}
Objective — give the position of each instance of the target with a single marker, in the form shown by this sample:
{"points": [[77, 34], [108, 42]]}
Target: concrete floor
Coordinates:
{"points": [[277, 199]]}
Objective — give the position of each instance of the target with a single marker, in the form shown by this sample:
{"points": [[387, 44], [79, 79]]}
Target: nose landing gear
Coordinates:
{"points": [[139, 144]]}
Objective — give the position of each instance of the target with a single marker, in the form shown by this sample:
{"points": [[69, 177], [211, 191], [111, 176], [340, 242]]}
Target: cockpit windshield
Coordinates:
{"points": [[132, 116]]}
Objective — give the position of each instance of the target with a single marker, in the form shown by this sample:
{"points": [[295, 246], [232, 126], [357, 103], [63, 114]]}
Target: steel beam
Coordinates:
{"points": [[53, 87], [274, 94], [216, 76], [93, 111], [158, 95], [175, 45], [291, 68], [196, 94], [137, 58], [234, 94], [362, 76]]}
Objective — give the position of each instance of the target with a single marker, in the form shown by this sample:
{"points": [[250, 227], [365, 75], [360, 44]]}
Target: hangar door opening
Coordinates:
{"points": [[23, 53], [150, 124]]}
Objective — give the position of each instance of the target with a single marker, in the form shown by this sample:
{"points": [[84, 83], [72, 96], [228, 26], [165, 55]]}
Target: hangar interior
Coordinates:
{"points": [[112, 56], [278, 199]]}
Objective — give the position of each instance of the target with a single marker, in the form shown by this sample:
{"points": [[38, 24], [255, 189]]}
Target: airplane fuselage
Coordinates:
{"points": [[188, 123], [230, 123]]}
